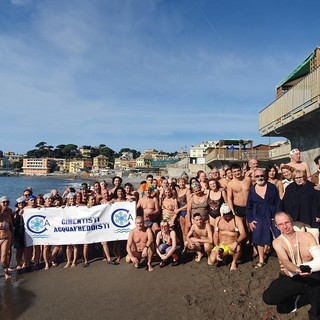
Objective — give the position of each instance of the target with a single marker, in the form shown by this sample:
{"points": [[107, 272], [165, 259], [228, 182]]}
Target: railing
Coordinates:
{"points": [[280, 152], [301, 96], [243, 154]]}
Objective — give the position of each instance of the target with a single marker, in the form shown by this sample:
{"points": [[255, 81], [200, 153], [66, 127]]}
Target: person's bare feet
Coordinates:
{"points": [[73, 265], [199, 256], [150, 268], [7, 274], [68, 265]]}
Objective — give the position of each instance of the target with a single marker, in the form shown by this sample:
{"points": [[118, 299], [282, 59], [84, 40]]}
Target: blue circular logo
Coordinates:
{"points": [[120, 218], [36, 224]]}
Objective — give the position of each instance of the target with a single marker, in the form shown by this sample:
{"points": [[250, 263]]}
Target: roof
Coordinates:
{"points": [[300, 71]]}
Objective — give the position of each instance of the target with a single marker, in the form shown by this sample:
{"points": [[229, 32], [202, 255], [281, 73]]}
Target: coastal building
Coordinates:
{"points": [[124, 163], [85, 151], [78, 164], [149, 156], [295, 113], [36, 166], [101, 162]]}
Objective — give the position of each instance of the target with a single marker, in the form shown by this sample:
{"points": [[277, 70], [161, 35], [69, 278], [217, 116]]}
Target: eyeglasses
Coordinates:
{"points": [[259, 176], [297, 178], [284, 224]]}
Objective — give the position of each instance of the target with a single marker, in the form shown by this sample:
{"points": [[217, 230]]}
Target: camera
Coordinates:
{"points": [[305, 268]]}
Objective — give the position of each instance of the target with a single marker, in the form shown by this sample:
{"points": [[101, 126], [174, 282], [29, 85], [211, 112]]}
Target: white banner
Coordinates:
{"points": [[79, 225]]}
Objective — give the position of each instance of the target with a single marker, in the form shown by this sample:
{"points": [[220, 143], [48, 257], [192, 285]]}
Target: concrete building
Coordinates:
{"points": [[101, 162], [36, 166], [295, 114], [77, 165]]}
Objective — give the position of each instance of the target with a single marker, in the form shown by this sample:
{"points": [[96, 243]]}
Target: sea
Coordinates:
{"points": [[13, 187]]}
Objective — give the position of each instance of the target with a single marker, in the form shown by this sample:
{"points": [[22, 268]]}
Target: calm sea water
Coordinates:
{"points": [[13, 186]]}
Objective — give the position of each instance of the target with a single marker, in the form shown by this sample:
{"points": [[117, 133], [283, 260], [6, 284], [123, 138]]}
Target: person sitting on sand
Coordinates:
{"points": [[299, 282], [199, 238], [167, 245], [140, 244], [229, 232]]}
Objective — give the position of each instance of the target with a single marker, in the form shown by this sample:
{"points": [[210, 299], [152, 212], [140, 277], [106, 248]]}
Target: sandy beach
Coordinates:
{"points": [[101, 291]]}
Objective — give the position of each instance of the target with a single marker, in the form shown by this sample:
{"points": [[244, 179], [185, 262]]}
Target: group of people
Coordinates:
{"points": [[213, 214]]}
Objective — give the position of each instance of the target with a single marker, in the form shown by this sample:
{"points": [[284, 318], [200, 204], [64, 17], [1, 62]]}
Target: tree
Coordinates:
{"points": [[40, 144]]}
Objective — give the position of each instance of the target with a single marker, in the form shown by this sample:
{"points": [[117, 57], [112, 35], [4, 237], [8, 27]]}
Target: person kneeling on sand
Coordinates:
{"points": [[167, 245], [229, 232], [199, 238], [140, 244]]}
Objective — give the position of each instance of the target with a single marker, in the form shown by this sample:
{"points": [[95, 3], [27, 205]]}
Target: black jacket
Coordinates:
{"points": [[302, 203]]}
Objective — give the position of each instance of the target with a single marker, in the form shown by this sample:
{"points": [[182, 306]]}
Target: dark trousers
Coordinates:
{"points": [[284, 290]]}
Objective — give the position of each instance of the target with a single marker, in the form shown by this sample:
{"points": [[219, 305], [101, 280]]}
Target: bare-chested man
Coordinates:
{"points": [[253, 165], [229, 232], [237, 191], [149, 203], [296, 162], [199, 238], [299, 284], [140, 244], [216, 174]]}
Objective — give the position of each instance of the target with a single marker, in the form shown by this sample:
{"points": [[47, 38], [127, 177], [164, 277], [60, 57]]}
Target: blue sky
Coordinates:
{"points": [[145, 73]]}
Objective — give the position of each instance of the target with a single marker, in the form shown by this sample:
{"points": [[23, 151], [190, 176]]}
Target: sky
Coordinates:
{"points": [[139, 74]]}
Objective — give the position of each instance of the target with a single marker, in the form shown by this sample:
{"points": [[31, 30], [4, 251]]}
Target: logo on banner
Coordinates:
{"points": [[37, 225], [122, 218]]}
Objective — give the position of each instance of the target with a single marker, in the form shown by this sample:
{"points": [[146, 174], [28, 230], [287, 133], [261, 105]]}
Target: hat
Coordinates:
{"points": [[31, 197], [293, 151], [224, 209], [47, 195], [21, 200], [70, 194], [4, 198]]}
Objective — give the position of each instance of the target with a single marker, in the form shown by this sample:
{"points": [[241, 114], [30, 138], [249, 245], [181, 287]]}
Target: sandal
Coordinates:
{"points": [[259, 265], [114, 263]]}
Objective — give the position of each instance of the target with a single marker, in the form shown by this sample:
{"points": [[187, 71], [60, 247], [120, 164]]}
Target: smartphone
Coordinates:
{"points": [[305, 269]]}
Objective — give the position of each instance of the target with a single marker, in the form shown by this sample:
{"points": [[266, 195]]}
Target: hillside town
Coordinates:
{"points": [[204, 156]]}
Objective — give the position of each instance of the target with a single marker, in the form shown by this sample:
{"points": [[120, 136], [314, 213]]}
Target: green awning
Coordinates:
{"points": [[302, 70]]}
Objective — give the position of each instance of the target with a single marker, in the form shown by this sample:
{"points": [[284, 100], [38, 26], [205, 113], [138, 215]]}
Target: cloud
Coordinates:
{"points": [[20, 2]]}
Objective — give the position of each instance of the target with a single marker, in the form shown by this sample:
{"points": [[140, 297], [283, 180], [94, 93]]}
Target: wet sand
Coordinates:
{"points": [[102, 291]]}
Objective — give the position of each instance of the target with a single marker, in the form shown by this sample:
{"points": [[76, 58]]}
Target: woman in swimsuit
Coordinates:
{"points": [[272, 176], [167, 245], [6, 232], [216, 197], [183, 197], [169, 207], [198, 203], [71, 202]]}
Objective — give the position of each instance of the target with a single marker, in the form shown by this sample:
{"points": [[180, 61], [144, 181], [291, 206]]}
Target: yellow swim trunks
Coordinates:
{"points": [[226, 250]]}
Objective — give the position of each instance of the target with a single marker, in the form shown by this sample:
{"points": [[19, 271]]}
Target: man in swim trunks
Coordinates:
{"points": [[295, 156], [150, 206], [237, 191], [229, 233], [296, 286], [199, 238], [140, 244]]}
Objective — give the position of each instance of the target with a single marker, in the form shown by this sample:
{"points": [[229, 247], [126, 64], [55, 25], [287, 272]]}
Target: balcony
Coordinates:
{"points": [[294, 110], [301, 102]]}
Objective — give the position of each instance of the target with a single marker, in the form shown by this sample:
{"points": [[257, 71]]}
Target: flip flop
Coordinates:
{"points": [[114, 263], [259, 265]]}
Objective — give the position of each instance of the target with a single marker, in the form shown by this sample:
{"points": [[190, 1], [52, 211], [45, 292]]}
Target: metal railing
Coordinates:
{"points": [[299, 97]]}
